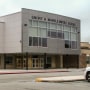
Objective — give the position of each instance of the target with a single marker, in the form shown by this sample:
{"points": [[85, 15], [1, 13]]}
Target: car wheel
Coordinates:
{"points": [[88, 76]]}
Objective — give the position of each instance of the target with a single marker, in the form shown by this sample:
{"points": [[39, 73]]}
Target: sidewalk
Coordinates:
{"points": [[14, 71], [61, 79]]}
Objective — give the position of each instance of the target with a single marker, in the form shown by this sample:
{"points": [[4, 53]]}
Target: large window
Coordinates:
{"points": [[42, 24], [53, 34], [49, 33], [73, 29], [9, 60], [59, 27], [43, 32], [66, 35], [60, 34], [70, 37], [40, 41], [38, 30], [33, 31], [73, 36], [30, 41], [67, 44], [74, 44], [52, 26], [67, 28], [44, 42], [35, 24], [37, 41]]}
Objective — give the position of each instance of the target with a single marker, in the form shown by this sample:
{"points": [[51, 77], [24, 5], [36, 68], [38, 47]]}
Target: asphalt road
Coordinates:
{"points": [[27, 82]]}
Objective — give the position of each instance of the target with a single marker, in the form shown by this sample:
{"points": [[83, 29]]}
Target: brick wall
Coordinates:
{"points": [[82, 61]]}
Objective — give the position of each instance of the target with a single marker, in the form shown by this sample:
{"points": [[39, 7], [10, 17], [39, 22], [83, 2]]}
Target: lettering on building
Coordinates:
{"points": [[53, 20]]}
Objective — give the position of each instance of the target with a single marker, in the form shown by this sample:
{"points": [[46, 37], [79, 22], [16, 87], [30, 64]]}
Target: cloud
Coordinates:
{"points": [[72, 8]]}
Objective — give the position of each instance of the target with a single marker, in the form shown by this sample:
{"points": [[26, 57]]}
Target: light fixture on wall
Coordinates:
{"points": [[25, 24]]}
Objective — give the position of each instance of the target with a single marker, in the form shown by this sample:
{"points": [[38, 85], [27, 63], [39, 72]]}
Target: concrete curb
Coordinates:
{"points": [[60, 79], [24, 72]]}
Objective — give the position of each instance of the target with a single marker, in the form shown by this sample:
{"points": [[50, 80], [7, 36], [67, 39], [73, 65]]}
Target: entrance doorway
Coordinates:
{"points": [[21, 62], [37, 62]]}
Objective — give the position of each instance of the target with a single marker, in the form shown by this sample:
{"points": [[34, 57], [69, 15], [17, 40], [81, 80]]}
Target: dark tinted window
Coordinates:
{"points": [[54, 34], [60, 35], [9, 60], [44, 42], [40, 41], [48, 60], [49, 34], [35, 41], [67, 44], [30, 41]]}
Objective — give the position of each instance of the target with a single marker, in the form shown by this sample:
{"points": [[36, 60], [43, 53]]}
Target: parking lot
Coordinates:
{"points": [[31, 85], [27, 82]]}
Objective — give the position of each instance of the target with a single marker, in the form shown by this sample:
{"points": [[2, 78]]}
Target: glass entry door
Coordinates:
{"points": [[20, 63], [37, 62]]}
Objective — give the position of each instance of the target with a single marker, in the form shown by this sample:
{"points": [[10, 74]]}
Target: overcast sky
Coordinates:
{"points": [[73, 8]]}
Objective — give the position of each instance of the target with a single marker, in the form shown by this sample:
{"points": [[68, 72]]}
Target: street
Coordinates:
{"points": [[27, 82]]}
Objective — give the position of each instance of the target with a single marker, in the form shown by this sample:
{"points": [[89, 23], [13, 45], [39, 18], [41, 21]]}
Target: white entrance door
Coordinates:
{"points": [[37, 62]]}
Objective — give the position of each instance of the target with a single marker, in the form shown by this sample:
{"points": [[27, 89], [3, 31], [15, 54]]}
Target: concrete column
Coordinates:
{"points": [[29, 62], [61, 61]]}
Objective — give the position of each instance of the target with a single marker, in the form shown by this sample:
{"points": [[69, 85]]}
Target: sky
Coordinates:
{"points": [[79, 9]]}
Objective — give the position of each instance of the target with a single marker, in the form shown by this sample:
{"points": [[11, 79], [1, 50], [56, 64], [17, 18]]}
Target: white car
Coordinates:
{"points": [[87, 74]]}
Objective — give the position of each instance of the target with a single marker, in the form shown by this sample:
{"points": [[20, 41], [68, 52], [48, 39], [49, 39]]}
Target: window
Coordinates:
{"points": [[42, 24], [66, 35], [49, 33], [9, 60], [52, 26], [54, 34], [74, 44], [48, 61], [35, 24], [33, 32], [59, 27], [67, 28], [44, 42], [60, 34], [73, 29], [73, 36], [39, 30], [43, 32], [67, 44], [40, 41], [30, 41], [35, 41]]}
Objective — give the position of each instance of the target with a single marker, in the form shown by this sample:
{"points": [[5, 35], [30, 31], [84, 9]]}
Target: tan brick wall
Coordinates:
{"points": [[82, 61]]}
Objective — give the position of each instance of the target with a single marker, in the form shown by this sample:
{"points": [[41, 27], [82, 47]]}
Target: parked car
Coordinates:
{"points": [[87, 74]]}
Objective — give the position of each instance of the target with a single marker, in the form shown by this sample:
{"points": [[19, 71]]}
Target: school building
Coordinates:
{"points": [[32, 39]]}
